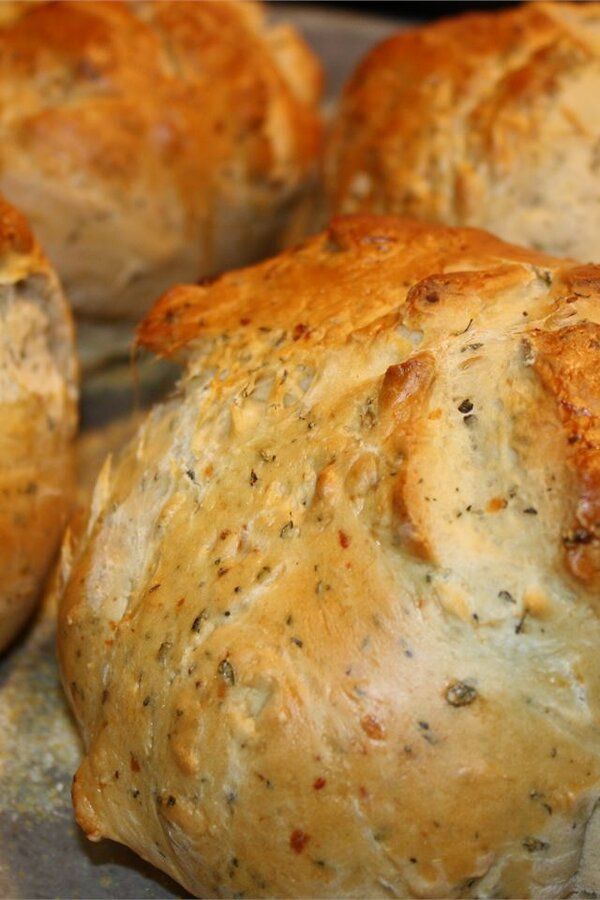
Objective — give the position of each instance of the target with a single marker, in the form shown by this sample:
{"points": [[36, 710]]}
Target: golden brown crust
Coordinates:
{"points": [[37, 419], [171, 137], [568, 362], [486, 119], [320, 632], [15, 234], [305, 290]]}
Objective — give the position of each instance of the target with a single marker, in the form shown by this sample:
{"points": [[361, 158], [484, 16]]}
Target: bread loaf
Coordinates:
{"points": [[153, 142], [332, 628], [489, 119], [37, 419]]}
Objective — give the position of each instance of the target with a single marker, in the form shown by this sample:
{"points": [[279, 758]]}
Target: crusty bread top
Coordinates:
{"points": [[156, 94], [489, 119], [368, 274], [348, 278]]}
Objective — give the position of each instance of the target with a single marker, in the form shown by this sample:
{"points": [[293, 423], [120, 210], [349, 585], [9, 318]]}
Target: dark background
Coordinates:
{"points": [[411, 9]]}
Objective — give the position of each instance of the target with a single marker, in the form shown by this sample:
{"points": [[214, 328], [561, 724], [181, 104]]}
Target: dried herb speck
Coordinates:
{"points": [[163, 650], [322, 587], [197, 623], [464, 331], [287, 529], [226, 671], [475, 346], [579, 536], [460, 694], [534, 845]]}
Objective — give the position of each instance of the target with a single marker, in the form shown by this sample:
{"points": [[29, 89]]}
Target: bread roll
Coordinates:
{"points": [[37, 419], [332, 629], [489, 119], [154, 142]]}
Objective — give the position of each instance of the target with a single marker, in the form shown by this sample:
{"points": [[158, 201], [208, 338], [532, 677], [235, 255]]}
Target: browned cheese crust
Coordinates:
{"points": [[489, 120], [37, 419], [153, 142], [332, 628]]}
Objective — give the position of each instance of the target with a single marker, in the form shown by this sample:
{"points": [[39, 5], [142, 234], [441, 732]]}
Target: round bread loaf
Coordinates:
{"points": [[489, 119], [332, 628], [37, 419], [154, 142]]}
